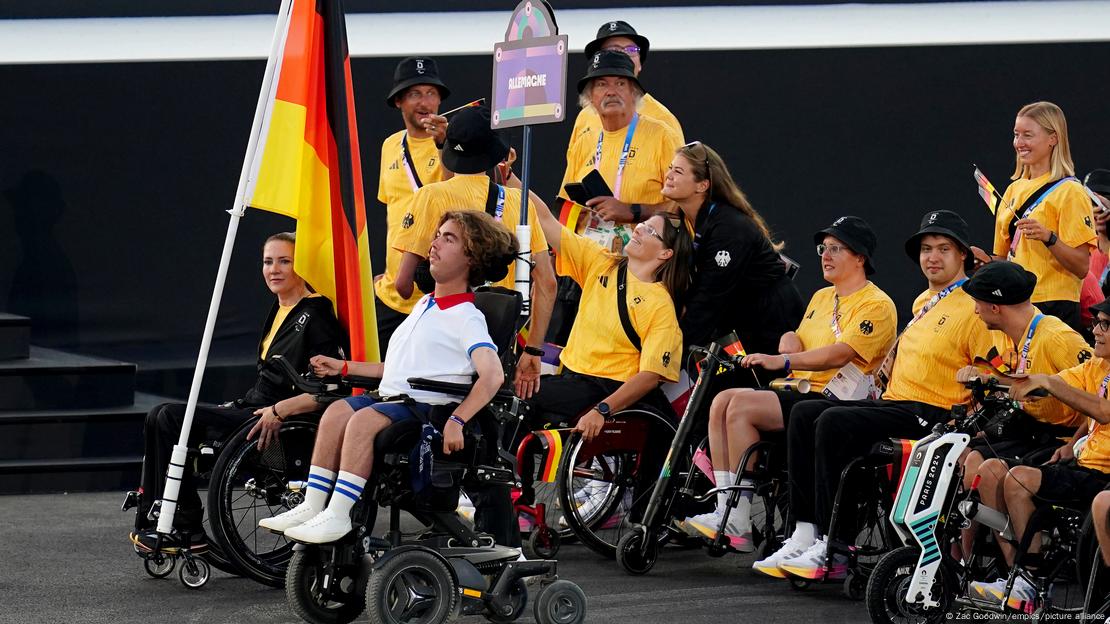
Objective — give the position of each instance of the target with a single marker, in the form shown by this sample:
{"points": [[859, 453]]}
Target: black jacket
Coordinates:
{"points": [[310, 329], [739, 284]]}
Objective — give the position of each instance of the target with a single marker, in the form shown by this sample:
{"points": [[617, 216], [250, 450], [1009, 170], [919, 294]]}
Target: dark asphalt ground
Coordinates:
{"points": [[66, 558]]}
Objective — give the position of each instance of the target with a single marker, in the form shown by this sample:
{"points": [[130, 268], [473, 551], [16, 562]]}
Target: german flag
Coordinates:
{"points": [[307, 166]]}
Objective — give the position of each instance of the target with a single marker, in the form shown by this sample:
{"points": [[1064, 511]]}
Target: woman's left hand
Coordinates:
{"points": [[266, 427], [452, 437], [1033, 229]]}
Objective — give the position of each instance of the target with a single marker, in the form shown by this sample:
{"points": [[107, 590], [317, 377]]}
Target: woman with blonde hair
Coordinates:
{"points": [[1044, 219]]}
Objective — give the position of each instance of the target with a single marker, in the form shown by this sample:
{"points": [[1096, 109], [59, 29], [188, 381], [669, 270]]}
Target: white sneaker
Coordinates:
{"points": [[1021, 597], [811, 564], [770, 565], [466, 507], [284, 521], [702, 524], [326, 527]]}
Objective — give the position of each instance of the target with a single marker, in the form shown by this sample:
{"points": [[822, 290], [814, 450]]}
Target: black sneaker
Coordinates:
{"points": [[173, 543]]}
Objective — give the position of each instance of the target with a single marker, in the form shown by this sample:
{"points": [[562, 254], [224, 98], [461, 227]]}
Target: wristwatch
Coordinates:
{"points": [[1052, 238], [603, 409]]}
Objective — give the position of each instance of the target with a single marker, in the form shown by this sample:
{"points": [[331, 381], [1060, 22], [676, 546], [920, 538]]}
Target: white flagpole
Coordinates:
{"points": [[179, 455]]}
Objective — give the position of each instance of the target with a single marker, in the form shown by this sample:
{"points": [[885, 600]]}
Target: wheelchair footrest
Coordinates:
{"points": [[494, 475]]}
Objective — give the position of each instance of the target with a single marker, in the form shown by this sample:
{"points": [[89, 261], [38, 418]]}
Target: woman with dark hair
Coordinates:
{"points": [[301, 324], [740, 281]]}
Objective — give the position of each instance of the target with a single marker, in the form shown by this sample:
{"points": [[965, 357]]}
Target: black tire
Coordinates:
{"points": [[215, 554], [1097, 599], [194, 574], [518, 599], [340, 603], [770, 511], [886, 590], [543, 544], [159, 569], [562, 602], [596, 492], [422, 579], [248, 485], [632, 556]]}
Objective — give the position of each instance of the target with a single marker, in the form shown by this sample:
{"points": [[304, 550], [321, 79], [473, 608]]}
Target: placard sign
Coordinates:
{"points": [[529, 69]]}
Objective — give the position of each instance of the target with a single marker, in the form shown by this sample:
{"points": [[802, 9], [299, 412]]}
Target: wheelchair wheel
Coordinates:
{"points": [[518, 601], [159, 566], [597, 484], [215, 555], [770, 510], [886, 590], [248, 485], [194, 573], [562, 602], [320, 592], [633, 556], [543, 544], [410, 588], [1097, 599]]}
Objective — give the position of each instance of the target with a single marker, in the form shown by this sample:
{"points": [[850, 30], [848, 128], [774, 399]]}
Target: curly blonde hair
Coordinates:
{"points": [[490, 247]]}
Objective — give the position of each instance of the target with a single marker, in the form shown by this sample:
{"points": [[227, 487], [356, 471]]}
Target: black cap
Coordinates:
{"points": [[609, 63], [1098, 181], [415, 70], [619, 29], [1002, 283], [1103, 307], [944, 223], [856, 234], [471, 145]]}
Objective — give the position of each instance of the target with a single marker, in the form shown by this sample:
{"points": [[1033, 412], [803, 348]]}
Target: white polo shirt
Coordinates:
{"points": [[435, 342]]}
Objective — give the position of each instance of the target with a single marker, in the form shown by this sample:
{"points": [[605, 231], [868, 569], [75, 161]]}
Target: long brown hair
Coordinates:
{"points": [[675, 272], [707, 164]]}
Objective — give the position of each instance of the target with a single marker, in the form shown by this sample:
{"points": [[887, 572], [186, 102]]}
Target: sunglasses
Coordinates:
{"points": [[628, 49], [705, 159], [1102, 325]]}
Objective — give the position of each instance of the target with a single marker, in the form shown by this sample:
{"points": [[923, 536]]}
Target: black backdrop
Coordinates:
{"points": [[122, 171]]}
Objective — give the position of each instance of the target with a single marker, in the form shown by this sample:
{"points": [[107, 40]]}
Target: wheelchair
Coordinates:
{"points": [[922, 580], [446, 568]]}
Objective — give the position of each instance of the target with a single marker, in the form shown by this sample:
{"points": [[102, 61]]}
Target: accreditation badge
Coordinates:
{"points": [[850, 384]]}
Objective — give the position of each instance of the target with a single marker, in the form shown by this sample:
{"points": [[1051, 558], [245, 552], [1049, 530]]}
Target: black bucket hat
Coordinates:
{"points": [[619, 29], [1001, 282], [609, 63], [856, 234], [1098, 181], [944, 223], [1103, 307], [415, 70], [471, 145]]}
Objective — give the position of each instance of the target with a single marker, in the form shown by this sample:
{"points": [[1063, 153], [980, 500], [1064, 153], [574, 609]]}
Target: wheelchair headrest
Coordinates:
{"points": [[501, 307]]}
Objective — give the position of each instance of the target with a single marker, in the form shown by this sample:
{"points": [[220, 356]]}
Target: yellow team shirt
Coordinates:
{"points": [[1088, 377], [588, 121], [868, 322], [601, 347], [930, 352], [462, 192], [1055, 347], [279, 318], [650, 153], [395, 190], [1066, 211]]}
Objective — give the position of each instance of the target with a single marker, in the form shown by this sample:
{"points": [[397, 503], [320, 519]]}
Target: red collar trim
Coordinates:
{"points": [[453, 300]]}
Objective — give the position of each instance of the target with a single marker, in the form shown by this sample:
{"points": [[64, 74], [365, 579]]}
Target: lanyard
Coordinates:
{"points": [[624, 153], [1102, 388], [500, 203], [1029, 211], [406, 161], [933, 302], [1024, 360], [835, 323], [882, 374]]}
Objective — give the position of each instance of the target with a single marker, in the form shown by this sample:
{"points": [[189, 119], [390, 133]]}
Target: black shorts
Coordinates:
{"points": [[1071, 485], [788, 399], [1016, 452]]}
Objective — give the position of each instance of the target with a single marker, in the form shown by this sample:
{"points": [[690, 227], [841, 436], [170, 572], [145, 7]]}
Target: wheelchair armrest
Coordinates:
{"points": [[356, 381], [454, 389]]}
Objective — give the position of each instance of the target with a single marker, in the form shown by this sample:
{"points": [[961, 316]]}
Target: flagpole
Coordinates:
{"points": [[180, 450], [523, 232]]}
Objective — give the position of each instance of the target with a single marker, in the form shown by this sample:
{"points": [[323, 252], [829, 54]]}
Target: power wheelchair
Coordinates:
{"points": [[445, 568], [923, 580]]}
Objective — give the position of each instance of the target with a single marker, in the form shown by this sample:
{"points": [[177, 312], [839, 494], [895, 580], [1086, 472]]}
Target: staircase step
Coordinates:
{"points": [[52, 380], [83, 474], [15, 336]]}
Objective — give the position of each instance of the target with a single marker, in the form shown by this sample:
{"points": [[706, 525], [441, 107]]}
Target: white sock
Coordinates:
{"points": [[723, 478], [805, 534], [320, 481], [348, 489]]}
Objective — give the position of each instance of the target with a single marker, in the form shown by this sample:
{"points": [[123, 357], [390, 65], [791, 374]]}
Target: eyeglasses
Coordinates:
{"points": [[832, 249], [650, 231], [628, 49], [1102, 325]]}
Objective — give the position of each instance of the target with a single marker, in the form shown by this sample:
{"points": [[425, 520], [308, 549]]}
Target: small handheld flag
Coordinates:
{"points": [[477, 102], [987, 191]]}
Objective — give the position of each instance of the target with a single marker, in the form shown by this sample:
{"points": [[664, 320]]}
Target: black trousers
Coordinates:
{"points": [[160, 433], [824, 436]]}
